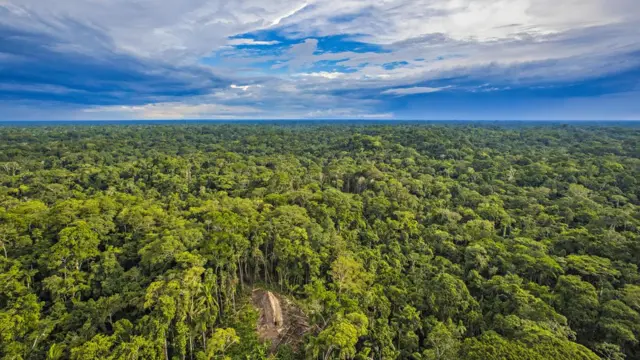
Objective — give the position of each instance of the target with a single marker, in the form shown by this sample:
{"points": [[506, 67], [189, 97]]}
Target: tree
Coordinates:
{"points": [[349, 275], [448, 297], [341, 336], [219, 343], [444, 341], [76, 244], [578, 301]]}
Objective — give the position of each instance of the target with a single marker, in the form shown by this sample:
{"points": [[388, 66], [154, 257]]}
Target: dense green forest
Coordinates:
{"points": [[395, 241]]}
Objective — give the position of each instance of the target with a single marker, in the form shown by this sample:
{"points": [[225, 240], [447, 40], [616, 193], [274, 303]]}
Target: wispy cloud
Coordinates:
{"points": [[175, 111], [306, 58], [251, 42], [413, 90]]}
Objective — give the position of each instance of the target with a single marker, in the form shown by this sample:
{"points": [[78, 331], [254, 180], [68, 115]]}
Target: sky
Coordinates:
{"points": [[320, 59]]}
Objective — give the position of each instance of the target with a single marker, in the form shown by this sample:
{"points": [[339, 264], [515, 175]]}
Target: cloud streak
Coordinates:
{"points": [[294, 58], [413, 90]]}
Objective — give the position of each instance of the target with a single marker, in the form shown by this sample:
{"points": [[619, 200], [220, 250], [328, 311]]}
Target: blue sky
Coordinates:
{"points": [[329, 59]]}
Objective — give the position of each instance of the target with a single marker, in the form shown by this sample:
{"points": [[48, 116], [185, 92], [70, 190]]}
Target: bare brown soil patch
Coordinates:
{"points": [[281, 321]]}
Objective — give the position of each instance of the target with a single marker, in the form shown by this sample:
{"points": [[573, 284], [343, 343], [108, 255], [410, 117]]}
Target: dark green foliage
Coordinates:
{"points": [[407, 241]]}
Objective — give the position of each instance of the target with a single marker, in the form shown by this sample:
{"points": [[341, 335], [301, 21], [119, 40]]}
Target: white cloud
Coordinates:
{"points": [[279, 19], [300, 55], [37, 88], [244, 87], [192, 28], [178, 111], [174, 110], [346, 114], [274, 98], [175, 30], [413, 90], [251, 42], [502, 42], [324, 74], [390, 21], [519, 42], [184, 31]]}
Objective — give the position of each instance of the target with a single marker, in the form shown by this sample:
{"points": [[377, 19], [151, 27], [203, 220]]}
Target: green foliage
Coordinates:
{"points": [[397, 242]]}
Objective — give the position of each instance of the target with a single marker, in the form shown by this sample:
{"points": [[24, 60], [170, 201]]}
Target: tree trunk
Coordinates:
{"points": [[204, 341], [328, 352], [233, 299]]}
